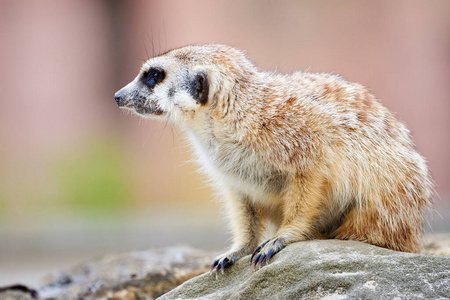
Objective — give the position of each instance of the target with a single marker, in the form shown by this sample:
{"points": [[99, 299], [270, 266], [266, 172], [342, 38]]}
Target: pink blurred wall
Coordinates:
{"points": [[62, 61], [399, 49]]}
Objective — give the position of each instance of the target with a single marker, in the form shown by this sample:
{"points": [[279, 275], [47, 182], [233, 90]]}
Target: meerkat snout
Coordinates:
{"points": [[125, 96]]}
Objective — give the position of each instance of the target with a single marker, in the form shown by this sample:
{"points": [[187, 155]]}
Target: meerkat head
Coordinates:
{"points": [[166, 87], [183, 83]]}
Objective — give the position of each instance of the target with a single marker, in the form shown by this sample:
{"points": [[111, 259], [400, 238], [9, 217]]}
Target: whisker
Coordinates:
{"points": [[165, 36], [148, 57], [159, 42], [164, 128], [153, 44]]}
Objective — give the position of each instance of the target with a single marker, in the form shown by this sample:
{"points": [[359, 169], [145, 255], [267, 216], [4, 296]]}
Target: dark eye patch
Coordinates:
{"points": [[199, 88], [153, 76]]}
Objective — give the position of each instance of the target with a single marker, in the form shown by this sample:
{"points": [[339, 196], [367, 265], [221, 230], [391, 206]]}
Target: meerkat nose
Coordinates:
{"points": [[118, 98]]}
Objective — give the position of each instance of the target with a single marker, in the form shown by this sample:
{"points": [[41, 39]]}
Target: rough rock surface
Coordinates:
{"points": [[314, 269], [135, 275], [327, 269], [17, 292]]}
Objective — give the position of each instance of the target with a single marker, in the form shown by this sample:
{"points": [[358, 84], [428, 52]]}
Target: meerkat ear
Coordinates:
{"points": [[199, 88]]}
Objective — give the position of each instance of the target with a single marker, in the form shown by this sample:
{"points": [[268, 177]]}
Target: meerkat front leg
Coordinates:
{"points": [[247, 226], [301, 207]]}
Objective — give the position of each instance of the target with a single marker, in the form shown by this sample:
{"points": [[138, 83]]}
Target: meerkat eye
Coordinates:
{"points": [[153, 77]]}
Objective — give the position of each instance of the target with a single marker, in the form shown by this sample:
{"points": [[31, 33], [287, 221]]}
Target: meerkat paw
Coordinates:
{"points": [[266, 250], [228, 259]]}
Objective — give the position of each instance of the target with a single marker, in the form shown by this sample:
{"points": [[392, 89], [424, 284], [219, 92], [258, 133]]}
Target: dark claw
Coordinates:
{"points": [[260, 257], [269, 255], [224, 263], [261, 260], [257, 250], [220, 264], [214, 264], [258, 260]]}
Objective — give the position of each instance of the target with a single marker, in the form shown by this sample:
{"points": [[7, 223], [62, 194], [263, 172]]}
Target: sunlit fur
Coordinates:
{"points": [[314, 154]]}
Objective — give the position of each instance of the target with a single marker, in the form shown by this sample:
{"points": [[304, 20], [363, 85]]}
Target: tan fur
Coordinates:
{"points": [[313, 154]]}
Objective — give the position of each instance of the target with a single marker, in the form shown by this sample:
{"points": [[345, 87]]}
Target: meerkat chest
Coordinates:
{"points": [[238, 167]]}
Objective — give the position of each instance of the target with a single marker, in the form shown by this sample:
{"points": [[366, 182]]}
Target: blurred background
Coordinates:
{"points": [[80, 178]]}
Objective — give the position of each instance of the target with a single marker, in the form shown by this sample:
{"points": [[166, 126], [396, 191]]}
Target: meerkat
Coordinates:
{"points": [[312, 154]]}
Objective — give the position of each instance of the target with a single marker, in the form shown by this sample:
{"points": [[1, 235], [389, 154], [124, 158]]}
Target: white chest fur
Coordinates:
{"points": [[236, 167]]}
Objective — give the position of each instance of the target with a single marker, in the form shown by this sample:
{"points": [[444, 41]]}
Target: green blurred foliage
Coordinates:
{"points": [[94, 180], [3, 206]]}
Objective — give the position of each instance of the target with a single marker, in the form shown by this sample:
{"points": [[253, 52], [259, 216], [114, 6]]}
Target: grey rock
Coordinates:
{"points": [[327, 269], [17, 292], [15, 295], [135, 275]]}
